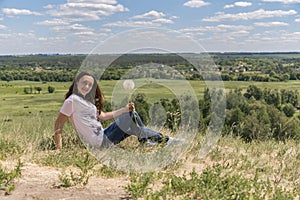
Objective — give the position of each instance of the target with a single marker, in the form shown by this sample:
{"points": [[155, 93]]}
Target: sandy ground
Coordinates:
{"points": [[38, 183]]}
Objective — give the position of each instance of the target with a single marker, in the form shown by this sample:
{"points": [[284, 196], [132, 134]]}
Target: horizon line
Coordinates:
{"points": [[209, 52]]}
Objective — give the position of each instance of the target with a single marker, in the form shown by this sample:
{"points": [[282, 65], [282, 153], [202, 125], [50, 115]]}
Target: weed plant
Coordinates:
{"points": [[212, 183], [7, 178], [81, 178]]}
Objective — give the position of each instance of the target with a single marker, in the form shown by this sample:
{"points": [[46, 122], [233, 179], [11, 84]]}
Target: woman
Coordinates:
{"points": [[83, 105]]}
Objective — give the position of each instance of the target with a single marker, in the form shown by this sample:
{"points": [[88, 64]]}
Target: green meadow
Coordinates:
{"points": [[234, 169], [15, 102]]}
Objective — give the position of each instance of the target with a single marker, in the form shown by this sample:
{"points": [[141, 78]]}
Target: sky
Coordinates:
{"points": [[78, 26]]}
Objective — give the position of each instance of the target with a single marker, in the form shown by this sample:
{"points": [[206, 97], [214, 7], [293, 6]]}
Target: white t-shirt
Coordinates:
{"points": [[83, 115]]}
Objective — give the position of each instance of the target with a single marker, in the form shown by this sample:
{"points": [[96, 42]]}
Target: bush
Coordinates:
{"points": [[51, 89], [27, 90], [288, 110], [38, 89]]}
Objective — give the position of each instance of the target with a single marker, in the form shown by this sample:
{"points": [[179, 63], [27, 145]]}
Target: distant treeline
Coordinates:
{"points": [[229, 66]]}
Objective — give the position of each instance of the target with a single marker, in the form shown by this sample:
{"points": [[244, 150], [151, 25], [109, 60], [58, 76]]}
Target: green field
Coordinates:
{"points": [[15, 102], [234, 169]]}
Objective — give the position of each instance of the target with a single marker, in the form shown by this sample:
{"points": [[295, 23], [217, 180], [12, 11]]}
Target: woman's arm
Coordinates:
{"points": [[110, 115], [59, 124]]}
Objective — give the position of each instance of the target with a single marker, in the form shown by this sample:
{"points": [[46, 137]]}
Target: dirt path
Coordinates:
{"points": [[37, 183]]}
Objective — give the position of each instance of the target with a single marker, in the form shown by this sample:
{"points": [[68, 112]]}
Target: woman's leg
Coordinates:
{"points": [[133, 125], [114, 133]]}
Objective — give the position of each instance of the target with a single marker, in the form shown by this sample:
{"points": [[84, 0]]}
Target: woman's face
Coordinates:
{"points": [[85, 84]]}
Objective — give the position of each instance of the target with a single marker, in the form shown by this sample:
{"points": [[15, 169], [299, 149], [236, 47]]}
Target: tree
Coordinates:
{"points": [[288, 110], [38, 89], [254, 91], [206, 106], [272, 97], [141, 106], [51, 89], [172, 109], [288, 96], [27, 90], [256, 125], [285, 77]]}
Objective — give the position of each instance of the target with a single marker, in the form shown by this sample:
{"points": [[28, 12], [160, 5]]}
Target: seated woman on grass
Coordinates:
{"points": [[83, 105]]}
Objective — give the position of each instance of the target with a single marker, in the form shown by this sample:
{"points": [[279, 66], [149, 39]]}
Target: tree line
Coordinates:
{"points": [[230, 67], [256, 114], [261, 114]]}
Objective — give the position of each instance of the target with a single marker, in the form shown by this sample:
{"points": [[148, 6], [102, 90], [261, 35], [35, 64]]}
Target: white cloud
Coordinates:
{"points": [[75, 29], [94, 1], [151, 23], [221, 32], [5, 36], [105, 9], [28, 35], [79, 10], [2, 27], [218, 28], [52, 40], [132, 24], [297, 20], [248, 41], [13, 11], [283, 1], [75, 15], [79, 27], [163, 21], [196, 3], [42, 39], [241, 33], [49, 6], [105, 30], [85, 33], [150, 15], [258, 14], [53, 22], [271, 36], [271, 24], [238, 4], [152, 18]]}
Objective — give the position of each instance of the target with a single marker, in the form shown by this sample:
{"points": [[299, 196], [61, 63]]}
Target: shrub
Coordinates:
{"points": [[78, 178], [288, 110], [27, 90], [51, 89]]}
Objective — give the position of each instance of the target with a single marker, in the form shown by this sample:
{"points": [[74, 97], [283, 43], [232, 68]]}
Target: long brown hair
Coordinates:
{"points": [[95, 96]]}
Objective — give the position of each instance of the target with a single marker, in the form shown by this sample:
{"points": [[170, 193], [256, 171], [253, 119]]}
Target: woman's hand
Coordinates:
{"points": [[113, 114], [130, 106]]}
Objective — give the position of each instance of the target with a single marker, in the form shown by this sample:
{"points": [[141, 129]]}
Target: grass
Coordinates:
{"points": [[233, 169], [15, 102]]}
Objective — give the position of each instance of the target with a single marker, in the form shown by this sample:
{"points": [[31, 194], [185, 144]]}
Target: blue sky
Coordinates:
{"points": [[77, 26]]}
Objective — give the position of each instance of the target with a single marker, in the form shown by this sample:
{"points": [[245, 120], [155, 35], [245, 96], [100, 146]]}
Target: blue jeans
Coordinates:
{"points": [[129, 124]]}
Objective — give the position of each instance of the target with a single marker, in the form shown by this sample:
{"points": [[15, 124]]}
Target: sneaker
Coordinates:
{"points": [[174, 141], [148, 143]]}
